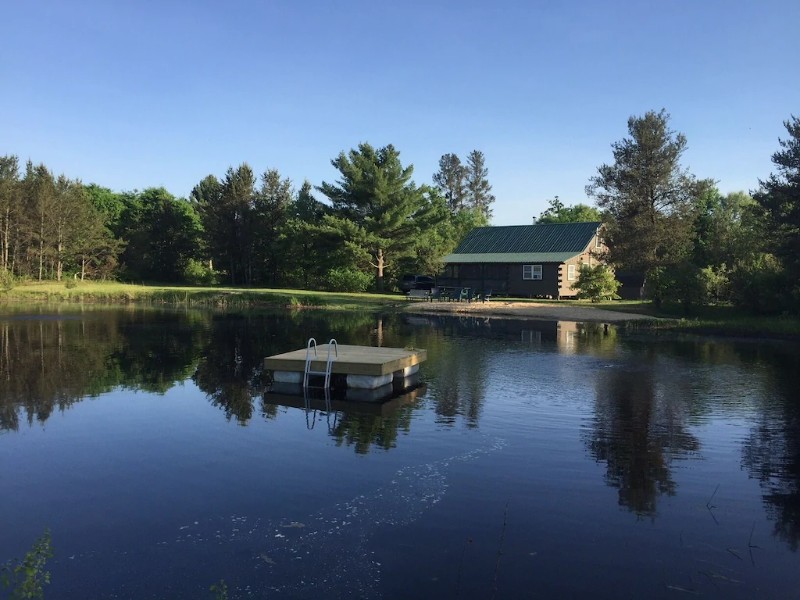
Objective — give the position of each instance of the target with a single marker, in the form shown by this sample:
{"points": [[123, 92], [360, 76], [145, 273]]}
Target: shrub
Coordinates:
{"points": [[716, 284], [306, 301], [6, 280], [758, 284], [596, 283], [348, 280], [198, 273], [26, 578]]}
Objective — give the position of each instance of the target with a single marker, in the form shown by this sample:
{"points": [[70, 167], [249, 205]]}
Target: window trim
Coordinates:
{"points": [[530, 272], [572, 272]]}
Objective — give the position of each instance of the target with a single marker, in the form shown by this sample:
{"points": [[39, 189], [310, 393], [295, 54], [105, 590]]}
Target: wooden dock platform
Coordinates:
{"points": [[364, 366]]}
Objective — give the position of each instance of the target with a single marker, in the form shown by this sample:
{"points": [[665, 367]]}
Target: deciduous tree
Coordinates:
{"points": [[163, 235], [559, 213]]}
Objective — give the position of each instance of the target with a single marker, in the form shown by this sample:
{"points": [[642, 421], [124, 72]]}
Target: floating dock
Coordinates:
{"points": [[364, 367]]}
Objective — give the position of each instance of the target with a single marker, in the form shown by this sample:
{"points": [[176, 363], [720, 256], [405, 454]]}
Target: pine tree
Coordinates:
{"points": [[377, 210], [645, 194], [478, 189], [450, 179], [779, 198]]}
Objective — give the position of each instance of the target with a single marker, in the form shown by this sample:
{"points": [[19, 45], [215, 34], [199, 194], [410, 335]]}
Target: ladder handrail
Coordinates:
{"points": [[329, 365], [307, 369], [332, 345]]}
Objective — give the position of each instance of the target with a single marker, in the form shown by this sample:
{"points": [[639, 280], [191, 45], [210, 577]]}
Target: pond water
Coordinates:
{"points": [[537, 459]]}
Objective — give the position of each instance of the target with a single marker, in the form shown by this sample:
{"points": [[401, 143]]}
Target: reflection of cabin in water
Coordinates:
{"points": [[566, 335], [524, 260]]}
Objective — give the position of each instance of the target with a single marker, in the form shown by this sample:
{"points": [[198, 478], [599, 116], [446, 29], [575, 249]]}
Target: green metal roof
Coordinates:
{"points": [[550, 242]]}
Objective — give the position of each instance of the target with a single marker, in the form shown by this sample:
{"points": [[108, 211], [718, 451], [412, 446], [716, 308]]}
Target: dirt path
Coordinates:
{"points": [[530, 310]]}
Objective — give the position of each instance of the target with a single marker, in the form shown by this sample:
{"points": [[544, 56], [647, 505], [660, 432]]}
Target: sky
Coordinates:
{"points": [[131, 95]]}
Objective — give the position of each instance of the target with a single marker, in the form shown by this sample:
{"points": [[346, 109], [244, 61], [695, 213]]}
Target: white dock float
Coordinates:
{"points": [[365, 367]]}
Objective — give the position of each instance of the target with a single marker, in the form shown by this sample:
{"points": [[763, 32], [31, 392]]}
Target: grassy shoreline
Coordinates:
{"points": [[196, 297], [723, 321], [714, 320]]}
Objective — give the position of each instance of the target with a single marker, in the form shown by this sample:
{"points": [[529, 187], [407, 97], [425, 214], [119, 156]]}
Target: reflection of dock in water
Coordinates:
{"points": [[294, 396]]}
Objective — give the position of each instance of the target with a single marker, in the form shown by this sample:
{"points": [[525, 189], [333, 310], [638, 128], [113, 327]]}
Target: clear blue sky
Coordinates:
{"points": [[151, 93]]}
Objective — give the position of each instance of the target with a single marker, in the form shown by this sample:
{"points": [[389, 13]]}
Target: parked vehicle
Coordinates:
{"points": [[416, 282]]}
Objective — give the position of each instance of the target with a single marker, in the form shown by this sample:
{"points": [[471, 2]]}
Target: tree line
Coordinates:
{"points": [[692, 244], [242, 228]]}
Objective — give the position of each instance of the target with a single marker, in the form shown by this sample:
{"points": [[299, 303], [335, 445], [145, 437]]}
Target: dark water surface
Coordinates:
{"points": [[538, 459]]}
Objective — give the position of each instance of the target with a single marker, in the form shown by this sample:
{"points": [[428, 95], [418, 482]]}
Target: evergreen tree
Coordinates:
{"points": [[237, 198], [206, 197], [39, 189], [450, 179], [478, 189], [64, 220], [646, 195], [270, 212], [779, 199], [226, 211], [95, 250], [305, 257], [377, 210], [9, 208]]}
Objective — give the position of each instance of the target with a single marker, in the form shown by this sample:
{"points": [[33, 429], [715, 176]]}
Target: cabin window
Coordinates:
{"points": [[571, 272], [531, 271], [598, 243], [451, 271]]}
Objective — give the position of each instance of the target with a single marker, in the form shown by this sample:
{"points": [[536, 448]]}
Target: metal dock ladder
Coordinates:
{"points": [[312, 344]]}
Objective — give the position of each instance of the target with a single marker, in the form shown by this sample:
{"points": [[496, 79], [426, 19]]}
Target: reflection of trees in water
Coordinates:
{"points": [[459, 350], [51, 361], [159, 349], [459, 367], [364, 431], [230, 370], [637, 431], [47, 365], [771, 452]]}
